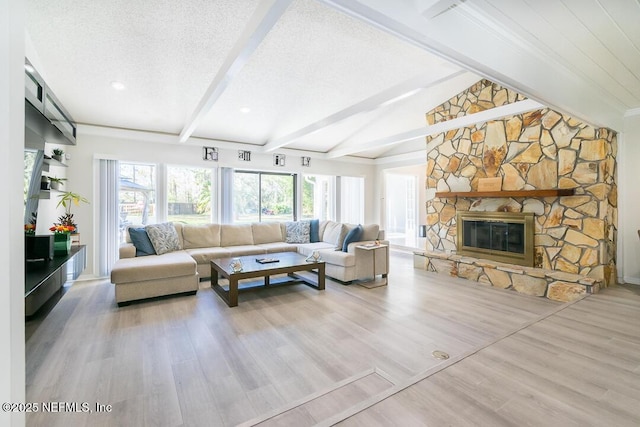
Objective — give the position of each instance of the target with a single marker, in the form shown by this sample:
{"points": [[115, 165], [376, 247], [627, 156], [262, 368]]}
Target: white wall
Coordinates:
{"points": [[629, 201], [93, 144], [12, 359]]}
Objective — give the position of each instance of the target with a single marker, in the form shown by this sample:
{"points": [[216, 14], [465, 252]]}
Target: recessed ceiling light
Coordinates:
{"points": [[245, 110], [29, 68], [117, 85]]}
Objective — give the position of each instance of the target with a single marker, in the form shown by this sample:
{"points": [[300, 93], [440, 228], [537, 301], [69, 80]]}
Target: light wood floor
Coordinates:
{"points": [[193, 361]]}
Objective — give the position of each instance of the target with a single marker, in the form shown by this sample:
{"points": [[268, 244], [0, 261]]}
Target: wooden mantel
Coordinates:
{"points": [[519, 193]]}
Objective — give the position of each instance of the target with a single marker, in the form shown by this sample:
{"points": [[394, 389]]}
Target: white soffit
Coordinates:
{"points": [[315, 61]]}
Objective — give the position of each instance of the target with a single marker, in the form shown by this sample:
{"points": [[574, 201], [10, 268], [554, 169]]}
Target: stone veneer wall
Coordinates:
{"points": [[542, 149]]}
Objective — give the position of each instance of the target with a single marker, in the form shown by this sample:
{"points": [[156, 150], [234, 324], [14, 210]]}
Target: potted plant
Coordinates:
{"points": [[68, 198], [57, 154], [56, 183], [45, 184]]}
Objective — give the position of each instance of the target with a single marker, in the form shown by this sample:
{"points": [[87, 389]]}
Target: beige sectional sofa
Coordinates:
{"points": [[178, 272]]}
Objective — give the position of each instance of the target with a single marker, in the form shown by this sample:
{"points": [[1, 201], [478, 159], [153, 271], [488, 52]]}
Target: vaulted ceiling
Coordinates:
{"points": [[330, 77]]}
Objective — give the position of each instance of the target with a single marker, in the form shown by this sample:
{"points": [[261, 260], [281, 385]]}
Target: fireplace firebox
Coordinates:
{"points": [[499, 236]]}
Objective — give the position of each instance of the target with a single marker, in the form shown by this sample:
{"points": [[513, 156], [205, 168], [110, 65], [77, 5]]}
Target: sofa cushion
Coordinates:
{"points": [[314, 231], [204, 255], [140, 240], [178, 226], [173, 264], [164, 237], [266, 232], [354, 235], [307, 248], [370, 232], [235, 235], [342, 259], [335, 233], [127, 250], [321, 229], [243, 250], [297, 232], [278, 247], [200, 235]]}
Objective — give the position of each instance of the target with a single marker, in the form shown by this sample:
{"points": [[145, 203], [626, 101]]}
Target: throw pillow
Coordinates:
{"points": [[164, 237], [297, 232], [140, 240], [314, 230], [352, 236]]}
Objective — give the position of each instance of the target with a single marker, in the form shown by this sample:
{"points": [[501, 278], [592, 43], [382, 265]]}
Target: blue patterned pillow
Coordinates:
{"points": [[140, 240], [164, 237], [297, 232]]}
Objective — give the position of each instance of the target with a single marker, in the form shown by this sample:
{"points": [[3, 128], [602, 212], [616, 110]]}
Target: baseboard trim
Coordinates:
{"points": [[631, 280]]}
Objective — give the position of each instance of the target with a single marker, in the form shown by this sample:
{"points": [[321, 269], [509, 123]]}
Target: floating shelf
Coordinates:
{"points": [[54, 162], [520, 193]]}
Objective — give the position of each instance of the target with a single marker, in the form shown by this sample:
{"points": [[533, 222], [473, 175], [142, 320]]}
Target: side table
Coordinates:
{"points": [[379, 267]]}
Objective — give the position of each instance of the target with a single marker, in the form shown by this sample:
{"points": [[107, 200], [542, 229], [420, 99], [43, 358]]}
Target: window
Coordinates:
{"points": [[262, 196], [137, 195], [318, 196], [189, 195]]}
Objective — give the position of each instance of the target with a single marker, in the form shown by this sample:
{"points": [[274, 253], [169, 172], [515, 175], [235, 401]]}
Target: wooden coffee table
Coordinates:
{"points": [[288, 263]]}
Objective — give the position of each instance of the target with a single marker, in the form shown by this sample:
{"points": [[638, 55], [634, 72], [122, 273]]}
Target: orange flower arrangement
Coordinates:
{"points": [[62, 229], [30, 228]]}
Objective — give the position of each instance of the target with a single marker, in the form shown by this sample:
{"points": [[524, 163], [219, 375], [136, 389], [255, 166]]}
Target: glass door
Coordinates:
{"points": [[401, 210]]}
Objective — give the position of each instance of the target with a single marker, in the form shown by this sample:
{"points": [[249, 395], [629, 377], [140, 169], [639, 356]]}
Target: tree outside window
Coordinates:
{"points": [[189, 195], [262, 196], [137, 196]]}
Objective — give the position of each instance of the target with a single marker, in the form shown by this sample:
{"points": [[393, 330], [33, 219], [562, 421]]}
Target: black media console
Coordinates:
{"points": [[44, 279]]}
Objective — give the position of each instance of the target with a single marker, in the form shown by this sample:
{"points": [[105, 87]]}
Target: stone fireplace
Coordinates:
{"points": [[499, 236], [574, 230]]}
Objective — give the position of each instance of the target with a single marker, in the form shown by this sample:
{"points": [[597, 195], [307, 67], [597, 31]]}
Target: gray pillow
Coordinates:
{"points": [[164, 237], [297, 232]]}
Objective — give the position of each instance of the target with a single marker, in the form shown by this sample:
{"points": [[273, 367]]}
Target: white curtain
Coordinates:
{"points": [[109, 219], [226, 195], [351, 198]]}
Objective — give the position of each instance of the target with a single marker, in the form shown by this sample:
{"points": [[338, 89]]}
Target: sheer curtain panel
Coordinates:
{"points": [[109, 216]]}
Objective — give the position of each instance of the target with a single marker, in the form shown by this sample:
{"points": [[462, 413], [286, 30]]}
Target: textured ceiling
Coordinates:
{"points": [[314, 62], [328, 76]]}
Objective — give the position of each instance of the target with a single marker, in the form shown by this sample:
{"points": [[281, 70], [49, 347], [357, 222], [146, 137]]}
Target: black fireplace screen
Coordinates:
{"points": [[497, 236]]}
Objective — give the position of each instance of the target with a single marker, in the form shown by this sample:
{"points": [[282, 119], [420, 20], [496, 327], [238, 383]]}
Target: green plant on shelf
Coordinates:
{"points": [[67, 199], [57, 154], [56, 182]]}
